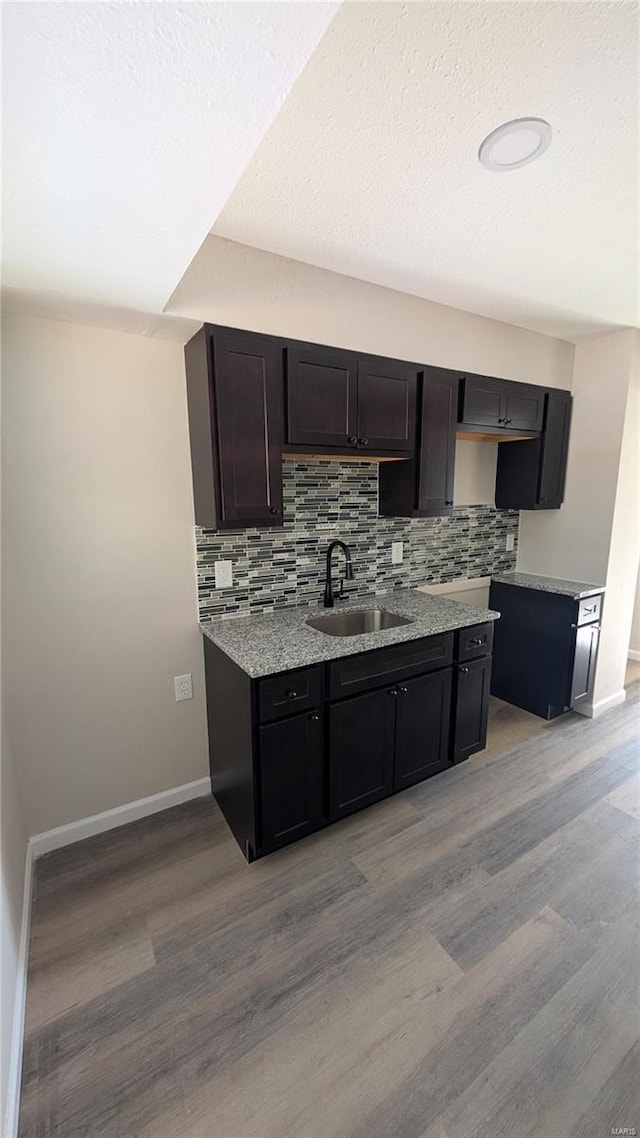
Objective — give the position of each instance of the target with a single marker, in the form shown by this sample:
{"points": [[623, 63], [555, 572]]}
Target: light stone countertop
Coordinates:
{"points": [[575, 589], [265, 644]]}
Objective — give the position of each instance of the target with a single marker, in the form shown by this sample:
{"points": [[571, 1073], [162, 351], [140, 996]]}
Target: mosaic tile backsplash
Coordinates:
{"points": [[324, 500]]}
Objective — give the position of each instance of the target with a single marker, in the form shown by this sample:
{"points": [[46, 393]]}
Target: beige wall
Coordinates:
{"points": [[594, 537], [233, 284], [99, 579], [634, 642]]}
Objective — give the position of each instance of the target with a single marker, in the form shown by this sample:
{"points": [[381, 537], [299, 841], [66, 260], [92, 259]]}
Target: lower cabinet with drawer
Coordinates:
{"points": [[292, 752]]}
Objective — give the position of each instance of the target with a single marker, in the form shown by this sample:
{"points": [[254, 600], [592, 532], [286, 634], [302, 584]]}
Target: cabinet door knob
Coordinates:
{"points": [[393, 691], [274, 510], [448, 501], [501, 420], [507, 421], [353, 440], [314, 718], [464, 669], [477, 640], [291, 694], [363, 442], [403, 690]]}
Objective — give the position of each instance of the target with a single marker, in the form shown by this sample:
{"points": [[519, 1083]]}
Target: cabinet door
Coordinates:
{"points": [[437, 447], [483, 401], [554, 450], [321, 397], [471, 702], [584, 662], [422, 731], [386, 405], [523, 407], [248, 411], [361, 746], [292, 795]]}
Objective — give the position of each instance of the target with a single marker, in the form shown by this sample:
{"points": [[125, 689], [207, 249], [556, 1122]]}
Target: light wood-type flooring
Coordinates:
{"points": [[461, 961]]}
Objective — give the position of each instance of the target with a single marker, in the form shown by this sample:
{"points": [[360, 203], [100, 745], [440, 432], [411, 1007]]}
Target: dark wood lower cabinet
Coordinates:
{"points": [[545, 648], [292, 784], [293, 751], [361, 749], [422, 731], [584, 661], [471, 696]]}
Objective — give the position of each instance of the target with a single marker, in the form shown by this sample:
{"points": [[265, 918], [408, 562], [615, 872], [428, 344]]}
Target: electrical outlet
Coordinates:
{"points": [[224, 574], [510, 543], [397, 552], [183, 687]]}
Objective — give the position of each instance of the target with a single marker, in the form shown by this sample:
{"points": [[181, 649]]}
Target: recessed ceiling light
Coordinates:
{"points": [[515, 144]]}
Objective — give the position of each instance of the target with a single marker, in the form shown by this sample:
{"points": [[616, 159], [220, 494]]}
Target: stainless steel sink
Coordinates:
{"points": [[358, 622]]}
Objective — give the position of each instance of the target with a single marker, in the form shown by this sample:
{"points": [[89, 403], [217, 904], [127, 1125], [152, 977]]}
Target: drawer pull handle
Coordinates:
{"points": [[479, 640], [594, 608], [291, 694]]}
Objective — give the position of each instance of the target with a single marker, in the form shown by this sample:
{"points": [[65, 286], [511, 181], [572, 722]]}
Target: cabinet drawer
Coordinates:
{"points": [[474, 641], [289, 692], [386, 665], [589, 610]]}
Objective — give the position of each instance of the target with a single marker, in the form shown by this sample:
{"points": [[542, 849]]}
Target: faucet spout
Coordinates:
{"points": [[328, 599]]}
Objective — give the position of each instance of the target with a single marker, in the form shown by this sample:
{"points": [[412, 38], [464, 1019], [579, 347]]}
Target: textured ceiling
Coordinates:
{"points": [[125, 127], [370, 167]]}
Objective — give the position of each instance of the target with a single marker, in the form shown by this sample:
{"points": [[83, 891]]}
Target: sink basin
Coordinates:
{"points": [[356, 623]]}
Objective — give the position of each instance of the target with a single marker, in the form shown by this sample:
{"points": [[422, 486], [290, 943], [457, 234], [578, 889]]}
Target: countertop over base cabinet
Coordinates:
{"points": [[545, 648], [294, 751]]}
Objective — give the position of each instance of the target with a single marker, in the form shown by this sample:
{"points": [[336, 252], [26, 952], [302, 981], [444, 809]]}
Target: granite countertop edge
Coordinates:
{"points": [[577, 590], [265, 644]]}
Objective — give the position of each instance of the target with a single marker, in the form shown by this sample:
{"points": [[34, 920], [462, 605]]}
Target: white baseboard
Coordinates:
{"points": [[119, 816], [14, 1078], [593, 710], [633, 654]]}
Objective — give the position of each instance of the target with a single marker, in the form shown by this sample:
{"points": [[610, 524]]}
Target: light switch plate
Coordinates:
{"points": [[397, 552], [224, 574], [510, 543]]}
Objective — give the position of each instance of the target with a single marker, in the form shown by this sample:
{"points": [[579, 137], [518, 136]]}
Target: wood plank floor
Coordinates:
{"points": [[461, 961]]}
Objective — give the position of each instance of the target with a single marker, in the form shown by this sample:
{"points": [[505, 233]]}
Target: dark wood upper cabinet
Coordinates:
{"points": [[423, 486], [500, 404], [386, 405], [422, 729], [339, 401], [322, 387], [554, 450], [531, 475], [234, 396]]}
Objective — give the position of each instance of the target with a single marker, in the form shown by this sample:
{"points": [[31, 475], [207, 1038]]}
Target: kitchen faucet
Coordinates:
{"points": [[348, 576]]}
